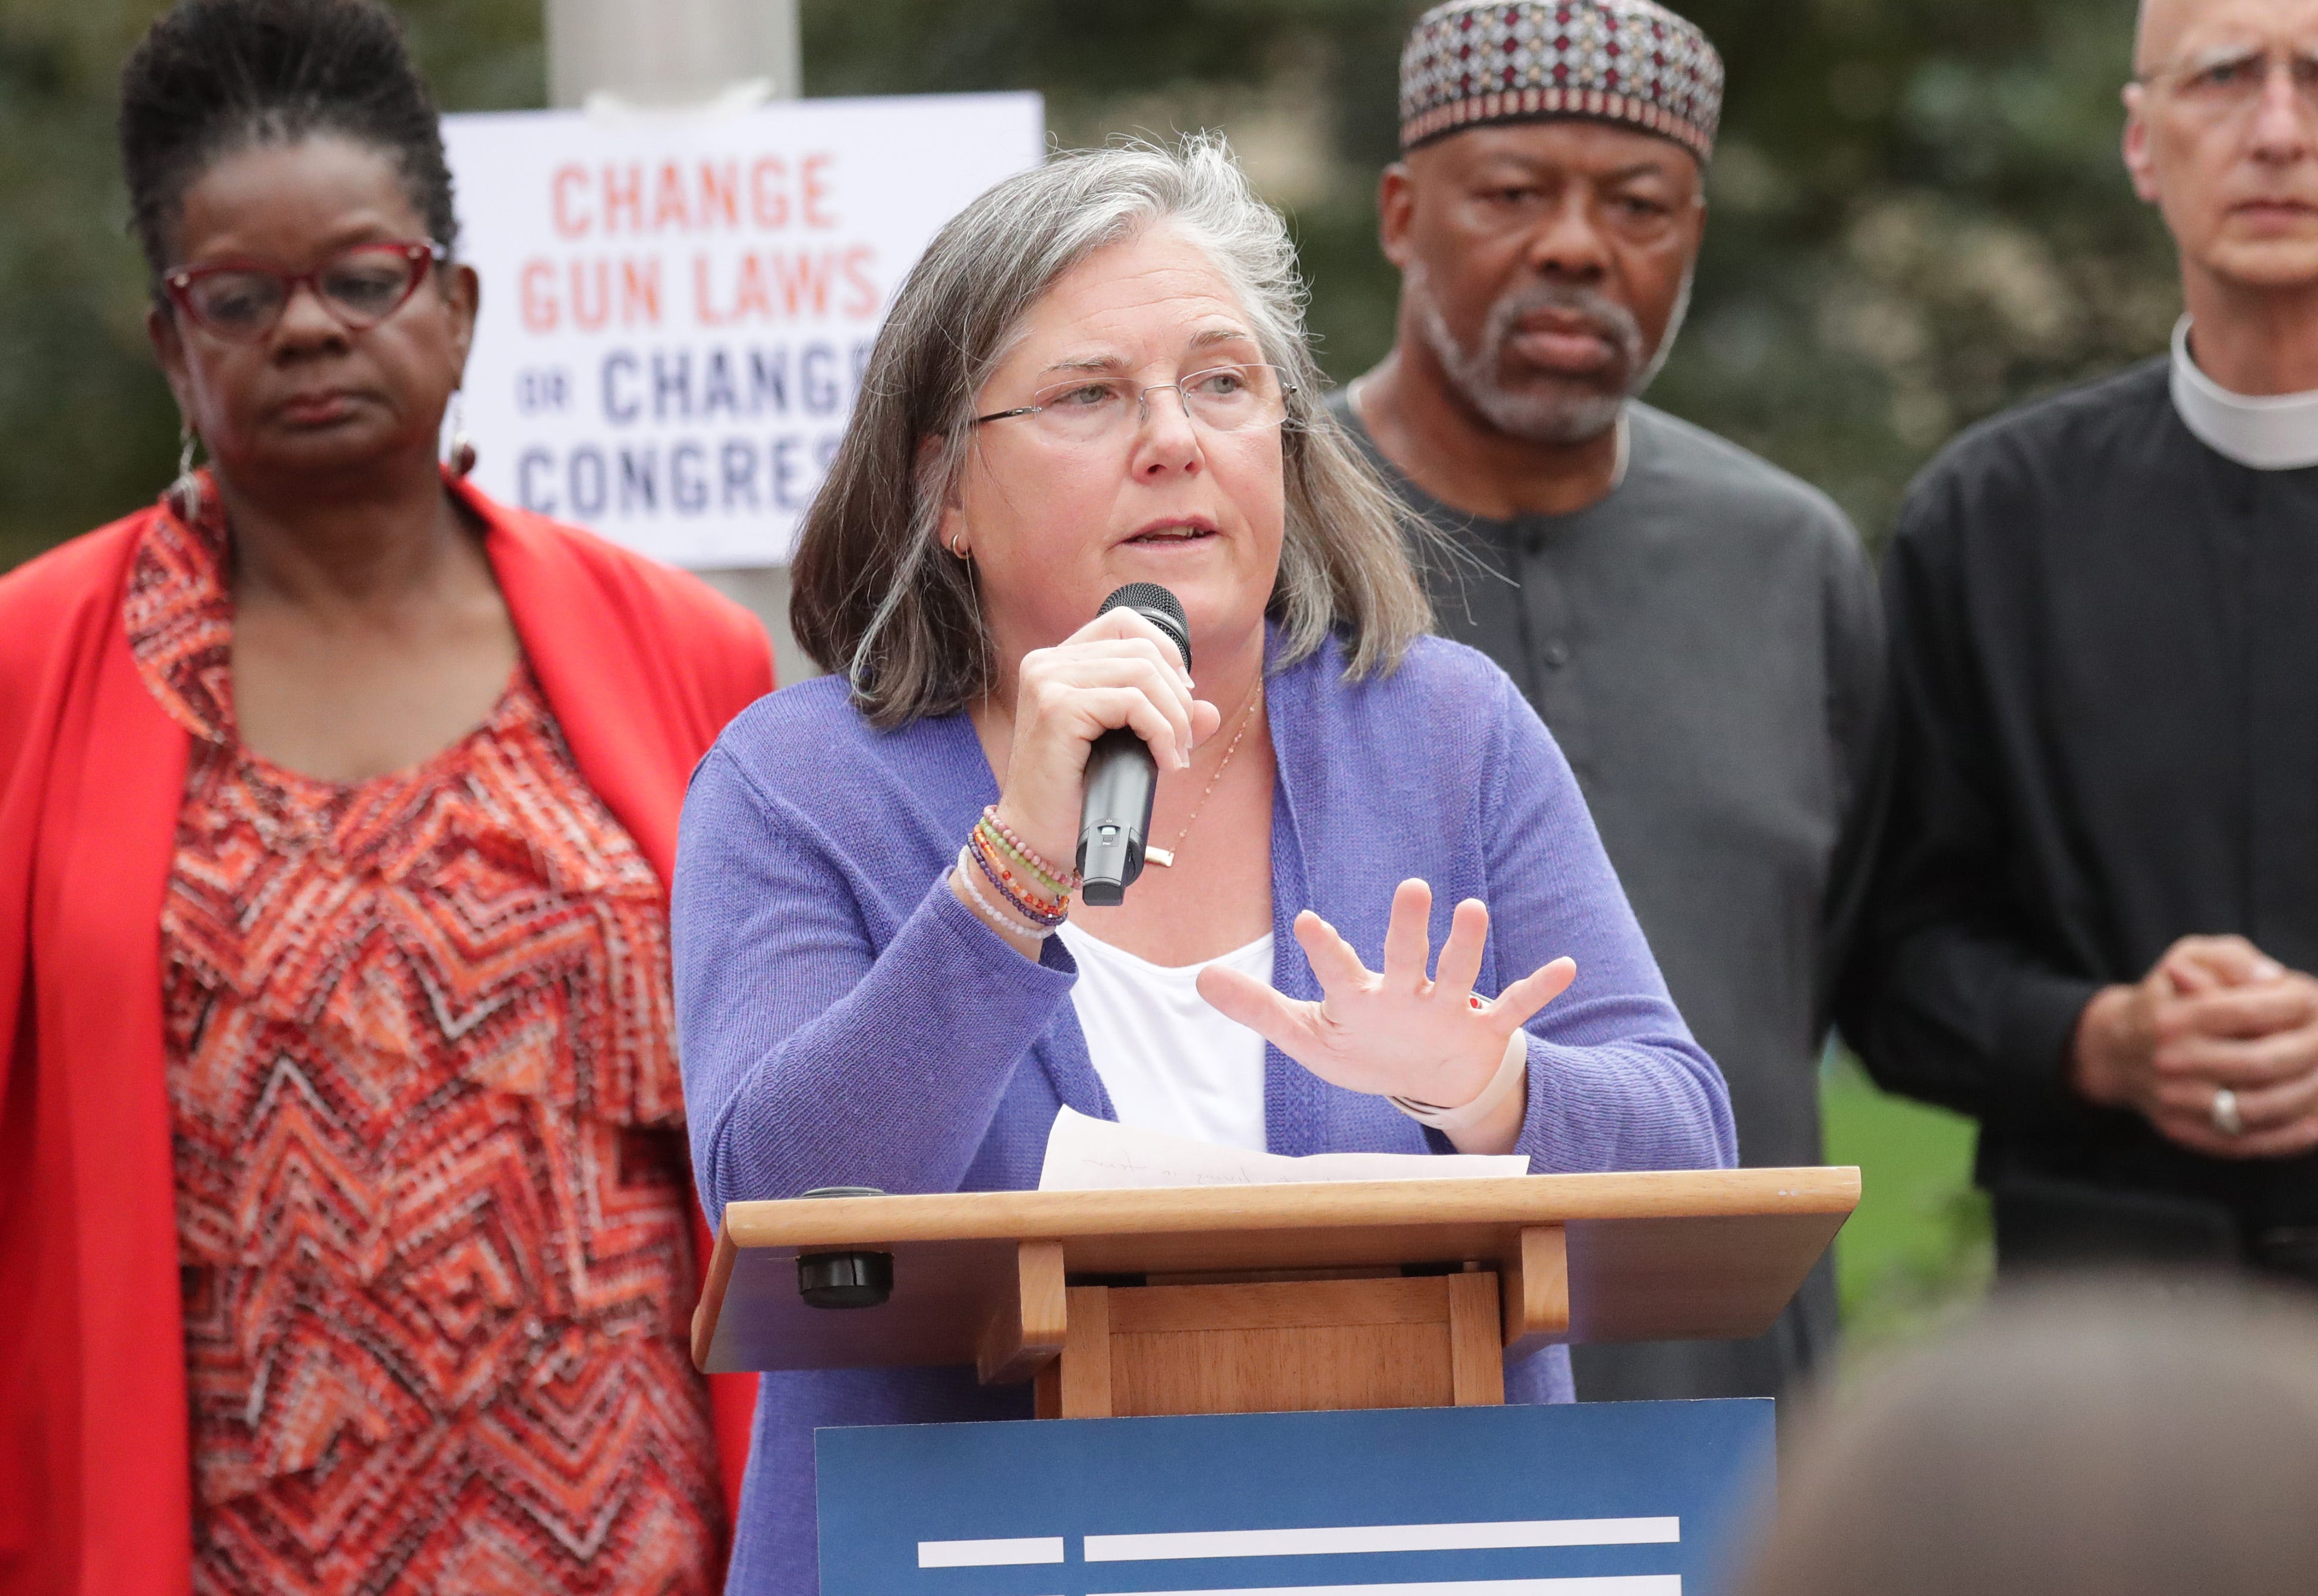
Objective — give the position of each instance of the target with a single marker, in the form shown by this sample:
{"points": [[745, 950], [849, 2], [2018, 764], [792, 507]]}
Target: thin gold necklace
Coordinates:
{"points": [[1166, 856]]}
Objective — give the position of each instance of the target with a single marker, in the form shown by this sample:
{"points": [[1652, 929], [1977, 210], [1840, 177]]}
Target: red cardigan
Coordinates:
{"points": [[642, 665]]}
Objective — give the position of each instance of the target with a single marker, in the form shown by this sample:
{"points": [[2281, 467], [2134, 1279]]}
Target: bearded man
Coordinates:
{"points": [[2098, 925], [1698, 629]]}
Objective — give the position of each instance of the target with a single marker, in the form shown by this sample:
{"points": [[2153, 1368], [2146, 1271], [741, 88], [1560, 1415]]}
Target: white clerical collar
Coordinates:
{"points": [[2271, 433]]}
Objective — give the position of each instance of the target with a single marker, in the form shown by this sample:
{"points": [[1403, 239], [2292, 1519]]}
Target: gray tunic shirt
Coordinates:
{"points": [[1706, 646]]}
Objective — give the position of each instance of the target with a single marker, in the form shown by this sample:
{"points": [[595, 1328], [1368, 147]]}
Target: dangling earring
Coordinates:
{"points": [[462, 447], [185, 494]]}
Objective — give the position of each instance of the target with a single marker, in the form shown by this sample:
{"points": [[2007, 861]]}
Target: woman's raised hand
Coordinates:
{"points": [[1119, 670], [1396, 1032]]}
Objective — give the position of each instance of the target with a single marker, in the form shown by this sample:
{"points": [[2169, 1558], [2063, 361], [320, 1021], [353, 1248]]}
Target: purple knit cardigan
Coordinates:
{"points": [[844, 1020]]}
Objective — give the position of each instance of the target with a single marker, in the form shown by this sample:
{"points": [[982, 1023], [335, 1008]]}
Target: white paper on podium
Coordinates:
{"points": [[1092, 1155]]}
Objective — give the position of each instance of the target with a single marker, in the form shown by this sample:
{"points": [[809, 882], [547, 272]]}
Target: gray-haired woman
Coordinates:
{"points": [[1097, 374]]}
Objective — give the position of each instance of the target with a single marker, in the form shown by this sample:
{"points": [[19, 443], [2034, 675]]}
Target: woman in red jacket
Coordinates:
{"points": [[344, 1225]]}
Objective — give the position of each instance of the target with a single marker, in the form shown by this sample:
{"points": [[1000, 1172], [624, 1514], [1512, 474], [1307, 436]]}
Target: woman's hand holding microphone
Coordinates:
{"points": [[1119, 670]]}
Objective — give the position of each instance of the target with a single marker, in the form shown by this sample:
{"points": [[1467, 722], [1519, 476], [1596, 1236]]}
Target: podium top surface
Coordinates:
{"points": [[1217, 1210], [1652, 1255]]}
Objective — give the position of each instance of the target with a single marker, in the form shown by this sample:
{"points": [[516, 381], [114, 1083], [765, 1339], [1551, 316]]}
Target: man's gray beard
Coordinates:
{"points": [[1556, 412]]}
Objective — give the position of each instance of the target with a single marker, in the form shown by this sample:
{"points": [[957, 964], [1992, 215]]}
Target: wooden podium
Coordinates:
{"points": [[1271, 1298]]}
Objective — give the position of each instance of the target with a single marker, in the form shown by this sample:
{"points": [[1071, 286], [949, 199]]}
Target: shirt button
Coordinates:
{"points": [[1557, 653]]}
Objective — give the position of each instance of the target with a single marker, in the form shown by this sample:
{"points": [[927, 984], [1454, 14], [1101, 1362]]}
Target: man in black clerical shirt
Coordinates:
{"points": [[1699, 629], [2098, 909]]}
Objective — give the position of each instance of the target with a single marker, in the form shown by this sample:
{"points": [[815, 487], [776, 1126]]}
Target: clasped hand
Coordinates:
{"points": [[1396, 1032], [2214, 1014]]}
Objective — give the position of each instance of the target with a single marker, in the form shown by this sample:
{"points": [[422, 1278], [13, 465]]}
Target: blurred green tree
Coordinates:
{"points": [[88, 428], [1919, 217]]}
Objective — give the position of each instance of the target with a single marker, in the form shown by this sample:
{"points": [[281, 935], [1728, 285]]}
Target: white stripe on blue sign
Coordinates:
{"points": [[990, 1553], [1624, 1585], [1382, 1538]]}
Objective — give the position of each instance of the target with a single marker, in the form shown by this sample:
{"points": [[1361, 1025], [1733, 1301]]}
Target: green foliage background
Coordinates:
{"points": [[1919, 212]]}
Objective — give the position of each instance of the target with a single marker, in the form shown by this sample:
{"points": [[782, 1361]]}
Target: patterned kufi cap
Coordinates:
{"points": [[1471, 62]]}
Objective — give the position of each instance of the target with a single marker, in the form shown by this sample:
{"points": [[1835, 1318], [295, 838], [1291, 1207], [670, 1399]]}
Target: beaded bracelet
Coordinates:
{"points": [[1047, 912], [1040, 893], [990, 912], [1024, 894], [1008, 929], [1004, 857], [1062, 883], [1019, 881]]}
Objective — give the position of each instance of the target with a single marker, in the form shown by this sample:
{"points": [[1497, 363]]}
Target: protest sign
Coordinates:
{"points": [[677, 307]]}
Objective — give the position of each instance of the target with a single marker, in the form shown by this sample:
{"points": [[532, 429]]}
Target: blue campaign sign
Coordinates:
{"points": [[1611, 1499]]}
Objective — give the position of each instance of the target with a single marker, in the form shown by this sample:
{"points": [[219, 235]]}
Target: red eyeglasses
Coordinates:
{"points": [[242, 301]]}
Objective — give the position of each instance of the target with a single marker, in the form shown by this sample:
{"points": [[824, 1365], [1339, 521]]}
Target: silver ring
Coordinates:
{"points": [[2225, 1116]]}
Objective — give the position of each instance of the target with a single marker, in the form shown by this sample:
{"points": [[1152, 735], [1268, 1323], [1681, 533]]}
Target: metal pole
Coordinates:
{"points": [[680, 53], [669, 52]]}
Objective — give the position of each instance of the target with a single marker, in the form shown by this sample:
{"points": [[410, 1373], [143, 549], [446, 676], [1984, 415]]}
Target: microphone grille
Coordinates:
{"points": [[1147, 595], [1160, 606]]}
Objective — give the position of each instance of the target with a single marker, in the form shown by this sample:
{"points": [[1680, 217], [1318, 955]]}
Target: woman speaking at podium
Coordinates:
{"points": [[1098, 375]]}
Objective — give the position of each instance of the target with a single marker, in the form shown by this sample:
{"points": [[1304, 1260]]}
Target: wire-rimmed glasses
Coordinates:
{"points": [[244, 301], [1094, 410], [2229, 82]]}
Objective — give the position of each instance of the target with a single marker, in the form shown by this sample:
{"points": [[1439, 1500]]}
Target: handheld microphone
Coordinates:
{"points": [[1122, 775]]}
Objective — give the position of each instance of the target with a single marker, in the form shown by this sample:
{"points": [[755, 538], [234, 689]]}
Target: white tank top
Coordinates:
{"points": [[1169, 1061]]}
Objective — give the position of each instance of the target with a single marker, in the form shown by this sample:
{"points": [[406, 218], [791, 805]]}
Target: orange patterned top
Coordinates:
{"points": [[431, 1203]]}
